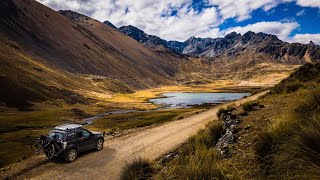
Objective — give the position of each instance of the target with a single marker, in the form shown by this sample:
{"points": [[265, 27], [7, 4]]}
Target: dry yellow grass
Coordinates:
{"points": [[217, 86]]}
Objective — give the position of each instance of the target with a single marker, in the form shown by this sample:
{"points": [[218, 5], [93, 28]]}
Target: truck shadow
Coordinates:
{"points": [[60, 159]]}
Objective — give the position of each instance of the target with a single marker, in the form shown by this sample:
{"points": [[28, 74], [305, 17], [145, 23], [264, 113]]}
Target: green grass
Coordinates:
{"points": [[16, 146], [17, 129], [140, 119], [197, 159]]}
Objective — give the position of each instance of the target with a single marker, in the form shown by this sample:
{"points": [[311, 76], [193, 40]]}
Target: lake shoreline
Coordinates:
{"points": [[168, 106]]}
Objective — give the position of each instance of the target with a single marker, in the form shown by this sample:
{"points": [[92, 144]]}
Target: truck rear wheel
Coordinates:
{"points": [[71, 155]]}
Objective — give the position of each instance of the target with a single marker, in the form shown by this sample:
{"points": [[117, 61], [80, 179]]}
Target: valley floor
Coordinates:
{"points": [[149, 143], [18, 128]]}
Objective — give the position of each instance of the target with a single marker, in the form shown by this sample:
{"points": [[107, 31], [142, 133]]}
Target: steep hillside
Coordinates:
{"points": [[25, 79], [86, 47], [233, 45], [73, 49]]}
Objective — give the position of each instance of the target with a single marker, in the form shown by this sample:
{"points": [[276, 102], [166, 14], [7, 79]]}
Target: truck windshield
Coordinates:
{"points": [[56, 135]]}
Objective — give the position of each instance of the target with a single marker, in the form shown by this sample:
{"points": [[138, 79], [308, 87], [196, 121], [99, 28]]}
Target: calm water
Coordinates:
{"points": [[180, 100], [188, 99]]}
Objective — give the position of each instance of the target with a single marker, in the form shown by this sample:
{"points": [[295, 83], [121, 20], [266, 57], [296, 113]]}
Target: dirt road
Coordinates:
{"points": [[150, 143]]}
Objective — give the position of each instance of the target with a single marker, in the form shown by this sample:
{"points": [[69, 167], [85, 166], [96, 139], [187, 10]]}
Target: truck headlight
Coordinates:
{"points": [[64, 145]]}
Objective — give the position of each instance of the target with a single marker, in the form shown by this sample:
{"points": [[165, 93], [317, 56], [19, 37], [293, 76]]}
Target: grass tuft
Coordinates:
{"points": [[249, 106], [221, 111], [197, 159], [139, 169], [290, 149]]}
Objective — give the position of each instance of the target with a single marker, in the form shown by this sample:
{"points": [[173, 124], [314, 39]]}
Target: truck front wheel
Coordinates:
{"points": [[99, 145]]}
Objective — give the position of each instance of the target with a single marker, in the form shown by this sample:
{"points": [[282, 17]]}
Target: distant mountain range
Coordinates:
{"points": [[232, 45]]}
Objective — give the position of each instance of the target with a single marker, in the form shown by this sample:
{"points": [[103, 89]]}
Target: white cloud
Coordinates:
{"points": [[309, 3], [241, 9], [154, 16], [306, 38], [281, 29], [301, 13]]}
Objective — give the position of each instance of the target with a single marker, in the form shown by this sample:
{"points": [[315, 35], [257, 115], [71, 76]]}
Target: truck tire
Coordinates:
{"points": [[71, 155], [99, 145]]}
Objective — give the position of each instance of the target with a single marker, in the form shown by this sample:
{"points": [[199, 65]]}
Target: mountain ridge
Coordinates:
{"points": [[231, 45]]}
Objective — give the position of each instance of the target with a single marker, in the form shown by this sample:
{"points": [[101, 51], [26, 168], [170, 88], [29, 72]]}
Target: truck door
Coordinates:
{"points": [[85, 140]]}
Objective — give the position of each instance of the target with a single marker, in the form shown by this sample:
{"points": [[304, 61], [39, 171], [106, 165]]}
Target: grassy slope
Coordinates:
{"points": [[89, 48], [278, 140], [140, 119]]}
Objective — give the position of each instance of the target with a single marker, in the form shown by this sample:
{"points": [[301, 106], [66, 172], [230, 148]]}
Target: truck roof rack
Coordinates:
{"points": [[67, 127]]}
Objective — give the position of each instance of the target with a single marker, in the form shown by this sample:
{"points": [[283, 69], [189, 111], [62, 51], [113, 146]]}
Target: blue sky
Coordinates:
{"points": [[290, 20], [307, 17]]}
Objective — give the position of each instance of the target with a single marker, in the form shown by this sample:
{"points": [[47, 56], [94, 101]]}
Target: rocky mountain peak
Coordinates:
{"points": [[108, 23], [232, 45], [134, 32], [141, 36], [312, 43], [232, 35], [72, 15], [192, 40]]}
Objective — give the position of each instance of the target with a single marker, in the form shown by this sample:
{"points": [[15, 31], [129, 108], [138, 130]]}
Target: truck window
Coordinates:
{"points": [[71, 136], [84, 133]]}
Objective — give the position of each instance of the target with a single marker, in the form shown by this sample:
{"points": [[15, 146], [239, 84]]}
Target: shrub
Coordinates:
{"points": [[220, 112], [211, 135], [139, 169], [249, 106]]}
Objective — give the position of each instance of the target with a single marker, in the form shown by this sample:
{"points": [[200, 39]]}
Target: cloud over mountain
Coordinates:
{"points": [[181, 19], [282, 30]]}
